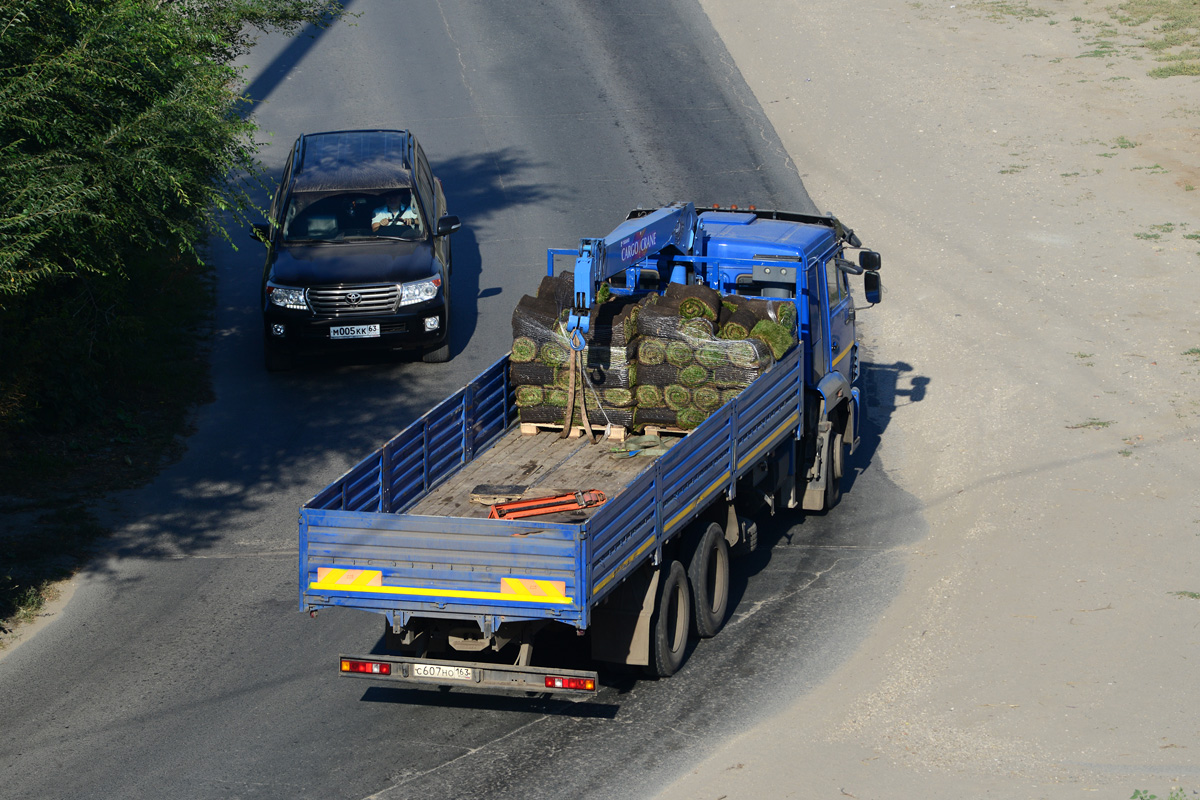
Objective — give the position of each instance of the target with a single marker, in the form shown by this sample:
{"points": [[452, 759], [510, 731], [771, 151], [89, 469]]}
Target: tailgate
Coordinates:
{"points": [[441, 567]]}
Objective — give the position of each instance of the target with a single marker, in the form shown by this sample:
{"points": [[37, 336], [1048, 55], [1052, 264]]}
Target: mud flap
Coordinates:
{"points": [[818, 474], [621, 624]]}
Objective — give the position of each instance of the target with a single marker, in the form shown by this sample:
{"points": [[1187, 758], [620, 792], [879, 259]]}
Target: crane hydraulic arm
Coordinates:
{"points": [[672, 227]]}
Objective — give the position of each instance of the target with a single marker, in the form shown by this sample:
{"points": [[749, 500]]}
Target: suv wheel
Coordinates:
{"points": [[276, 357], [438, 356]]}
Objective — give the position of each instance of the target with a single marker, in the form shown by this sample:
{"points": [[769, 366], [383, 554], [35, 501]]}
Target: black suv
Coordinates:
{"points": [[358, 249]]}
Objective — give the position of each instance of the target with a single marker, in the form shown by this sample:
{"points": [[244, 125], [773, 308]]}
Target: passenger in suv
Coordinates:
{"points": [[358, 249]]}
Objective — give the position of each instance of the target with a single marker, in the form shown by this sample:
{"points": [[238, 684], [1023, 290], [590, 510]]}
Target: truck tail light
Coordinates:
{"points": [[582, 684], [368, 667]]}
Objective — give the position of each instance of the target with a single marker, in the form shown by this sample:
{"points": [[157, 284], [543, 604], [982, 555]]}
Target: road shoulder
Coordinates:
{"points": [[1036, 197]]}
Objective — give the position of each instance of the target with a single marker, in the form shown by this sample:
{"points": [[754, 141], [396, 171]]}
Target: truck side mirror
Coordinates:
{"points": [[872, 286], [260, 232], [448, 224], [870, 260]]}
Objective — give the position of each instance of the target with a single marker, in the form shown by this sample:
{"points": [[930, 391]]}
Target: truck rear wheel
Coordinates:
{"points": [[671, 622], [708, 575]]}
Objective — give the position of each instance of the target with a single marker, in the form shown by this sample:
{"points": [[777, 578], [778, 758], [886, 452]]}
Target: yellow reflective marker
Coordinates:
{"points": [[525, 590]]}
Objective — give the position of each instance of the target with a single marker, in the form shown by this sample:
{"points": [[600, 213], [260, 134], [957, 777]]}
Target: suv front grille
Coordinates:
{"points": [[349, 301]]}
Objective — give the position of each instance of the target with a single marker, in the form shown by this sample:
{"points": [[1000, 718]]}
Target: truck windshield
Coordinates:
{"points": [[338, 216]]}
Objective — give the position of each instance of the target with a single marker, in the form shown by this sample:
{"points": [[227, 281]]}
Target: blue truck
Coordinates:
{"points": [[472, 599]]}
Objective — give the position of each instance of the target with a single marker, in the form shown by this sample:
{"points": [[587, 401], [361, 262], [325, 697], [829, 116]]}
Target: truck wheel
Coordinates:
{"points": [[708, 575], [837, 460], [671, 621]]}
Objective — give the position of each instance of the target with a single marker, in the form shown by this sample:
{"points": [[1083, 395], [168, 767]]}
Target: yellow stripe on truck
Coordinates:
{"points": [[369, 581]]}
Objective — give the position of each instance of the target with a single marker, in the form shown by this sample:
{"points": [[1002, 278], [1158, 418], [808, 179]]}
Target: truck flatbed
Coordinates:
{"points": [[544, 464]]}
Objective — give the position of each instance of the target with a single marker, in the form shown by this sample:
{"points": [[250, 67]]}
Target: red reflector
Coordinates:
{"points": [[734, 206], [368, 667], [582, 684]]}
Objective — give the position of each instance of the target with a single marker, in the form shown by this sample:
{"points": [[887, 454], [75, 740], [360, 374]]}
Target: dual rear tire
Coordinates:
{"points": [[671, 621], [691, 599]]}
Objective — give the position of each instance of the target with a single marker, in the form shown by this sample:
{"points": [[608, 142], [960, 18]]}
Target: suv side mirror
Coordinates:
{"points": [[448, 224], [260, 232], [872, 287], [870, 260]]}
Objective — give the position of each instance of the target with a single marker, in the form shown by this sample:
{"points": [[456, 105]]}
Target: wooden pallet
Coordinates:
{"points": [[658, 430], [617, 434]]}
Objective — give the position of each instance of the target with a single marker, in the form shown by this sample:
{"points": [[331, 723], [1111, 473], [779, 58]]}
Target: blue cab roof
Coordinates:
{"points": [[733, 234]]}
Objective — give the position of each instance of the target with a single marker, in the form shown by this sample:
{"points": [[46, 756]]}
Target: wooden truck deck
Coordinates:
{"points": [[544, 464]]}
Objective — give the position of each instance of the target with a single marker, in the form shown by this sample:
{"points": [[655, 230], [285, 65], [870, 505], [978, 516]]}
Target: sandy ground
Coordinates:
{"points": [[1039, 215]]}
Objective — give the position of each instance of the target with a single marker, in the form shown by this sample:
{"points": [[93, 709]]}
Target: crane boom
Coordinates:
{"points": [[630, 243]]}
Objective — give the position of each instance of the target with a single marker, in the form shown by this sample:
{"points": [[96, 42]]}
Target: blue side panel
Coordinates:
{"points": [[695, 475], [769, 411], [427, 451], [660, 502], [622, 532]]}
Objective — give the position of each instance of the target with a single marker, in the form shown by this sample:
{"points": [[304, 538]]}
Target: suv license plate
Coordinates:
{"points": [[354, 332], [443, 673]]}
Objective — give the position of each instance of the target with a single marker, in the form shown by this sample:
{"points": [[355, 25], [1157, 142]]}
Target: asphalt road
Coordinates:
{"points": [[182, 668]]}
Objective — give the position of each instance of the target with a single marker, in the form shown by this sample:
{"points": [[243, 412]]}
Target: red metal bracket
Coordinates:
{"points": [[547, 505]]}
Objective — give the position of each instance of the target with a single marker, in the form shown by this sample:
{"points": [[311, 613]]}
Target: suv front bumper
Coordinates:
{"points": [[296, 330]]}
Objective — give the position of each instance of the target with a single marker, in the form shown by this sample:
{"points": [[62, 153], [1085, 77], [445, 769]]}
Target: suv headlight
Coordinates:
{"points": [[287, 297], [419, 291]]}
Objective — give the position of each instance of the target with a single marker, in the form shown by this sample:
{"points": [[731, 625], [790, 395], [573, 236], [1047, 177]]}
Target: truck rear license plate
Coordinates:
{"points": [[354, 332], [442, 673]]}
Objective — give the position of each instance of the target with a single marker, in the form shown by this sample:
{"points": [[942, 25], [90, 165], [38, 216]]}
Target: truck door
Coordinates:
{"points": [[816, 322], [841, 318]]}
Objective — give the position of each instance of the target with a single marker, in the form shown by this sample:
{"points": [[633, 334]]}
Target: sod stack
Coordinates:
{"points": [[665, 361], [540, 357], [697, 349]]}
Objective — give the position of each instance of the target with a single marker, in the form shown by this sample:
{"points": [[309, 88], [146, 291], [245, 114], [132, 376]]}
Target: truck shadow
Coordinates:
{"points": [[448, 698], [874, 514], [886, 387]]}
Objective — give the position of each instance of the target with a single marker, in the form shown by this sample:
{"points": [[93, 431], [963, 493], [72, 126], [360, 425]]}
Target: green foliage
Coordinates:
{"points": [[1177, 793], [1091, 422], [119, 122], [119, 133], [1174, 31]]}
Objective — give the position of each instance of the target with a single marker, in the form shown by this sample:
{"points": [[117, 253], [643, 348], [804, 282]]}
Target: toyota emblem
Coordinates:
{"points": [[354, 298]]}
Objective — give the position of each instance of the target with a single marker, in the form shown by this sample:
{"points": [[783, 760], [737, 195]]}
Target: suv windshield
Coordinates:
{"points": [[330, 216]]}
